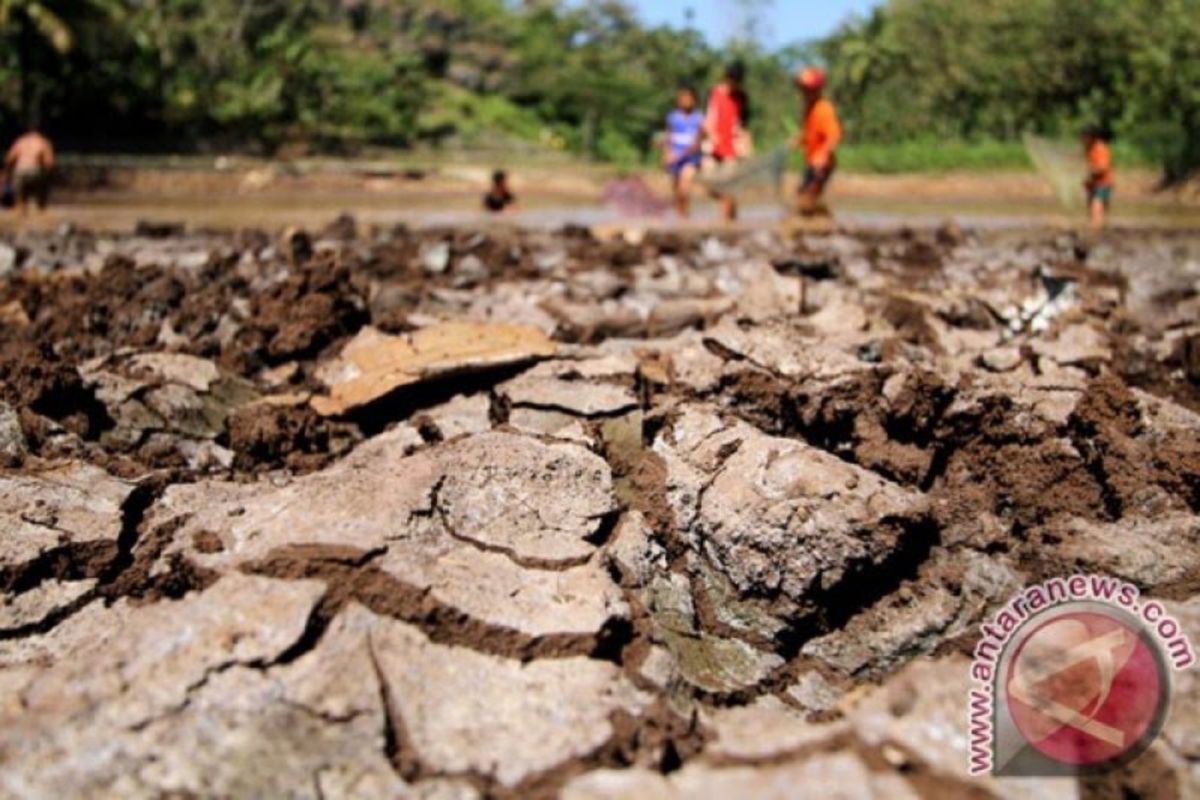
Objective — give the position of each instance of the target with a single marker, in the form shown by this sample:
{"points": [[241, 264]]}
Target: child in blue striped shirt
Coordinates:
{"points": [[683, 147]]}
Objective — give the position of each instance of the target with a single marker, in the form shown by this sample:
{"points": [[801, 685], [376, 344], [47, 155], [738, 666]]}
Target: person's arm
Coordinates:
{"points": [[50, 158], [666, 144], [710, 117], [697, 143], [797, 141]]}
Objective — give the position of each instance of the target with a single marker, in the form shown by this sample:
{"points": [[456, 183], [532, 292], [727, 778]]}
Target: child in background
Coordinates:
{"points": [[819, 139], [1099, 183], [500, 198], [683, 147], [726, 125]]}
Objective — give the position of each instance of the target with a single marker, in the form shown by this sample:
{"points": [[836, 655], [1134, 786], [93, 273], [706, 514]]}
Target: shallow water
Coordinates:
{"points": [[112, 211]]}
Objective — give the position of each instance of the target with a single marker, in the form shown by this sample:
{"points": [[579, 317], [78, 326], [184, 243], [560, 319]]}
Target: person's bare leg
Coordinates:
{"points": [[808, 202], [683, 191], [729, 207], [1098, 213]]}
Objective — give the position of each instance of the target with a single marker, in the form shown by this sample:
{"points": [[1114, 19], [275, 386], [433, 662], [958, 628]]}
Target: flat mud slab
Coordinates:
{"points": [[374, 513]]}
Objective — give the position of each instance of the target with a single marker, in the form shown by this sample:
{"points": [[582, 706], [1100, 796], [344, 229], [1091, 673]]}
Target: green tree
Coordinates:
{"points": [[941, 69], [47, 24]]}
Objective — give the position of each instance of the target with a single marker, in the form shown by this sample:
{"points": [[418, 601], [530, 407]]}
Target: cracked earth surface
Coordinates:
{"points": [[727, 530]]}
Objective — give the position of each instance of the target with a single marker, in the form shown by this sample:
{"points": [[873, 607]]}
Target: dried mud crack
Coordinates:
{"points": [[458, 514]]}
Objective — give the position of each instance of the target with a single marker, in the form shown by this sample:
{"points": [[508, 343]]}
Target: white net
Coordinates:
{"points": [[1062, 165], [632, 197], [733, 177]]}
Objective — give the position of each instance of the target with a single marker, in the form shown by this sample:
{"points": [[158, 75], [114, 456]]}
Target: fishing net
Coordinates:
{"points": [[630, 196], [737, 176], [1061, 165]]}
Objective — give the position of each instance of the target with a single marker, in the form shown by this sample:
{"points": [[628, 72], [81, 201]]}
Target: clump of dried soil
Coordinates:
{"points": [[727, 544]]}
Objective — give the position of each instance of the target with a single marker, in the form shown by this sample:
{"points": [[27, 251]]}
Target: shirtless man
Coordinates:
{"points": [[27, 169]]}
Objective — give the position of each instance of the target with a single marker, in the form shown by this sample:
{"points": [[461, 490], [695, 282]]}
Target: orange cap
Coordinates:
{"points": [[811, 78]]}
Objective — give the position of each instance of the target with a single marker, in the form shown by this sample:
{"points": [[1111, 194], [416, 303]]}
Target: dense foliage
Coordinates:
{"points": [[949, 69], [585, 76], [180, 74]]}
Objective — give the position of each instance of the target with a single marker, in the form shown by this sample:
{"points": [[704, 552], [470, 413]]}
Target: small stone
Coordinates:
{"points": [[658, 668], [470, 271], [813, 692], [281, 376], [436, 258], [198, 374], [12, 439], [1001, 359], [894, 756], [8, 260]]}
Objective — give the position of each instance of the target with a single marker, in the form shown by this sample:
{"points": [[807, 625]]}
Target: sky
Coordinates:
{"points": [[785, 21]]}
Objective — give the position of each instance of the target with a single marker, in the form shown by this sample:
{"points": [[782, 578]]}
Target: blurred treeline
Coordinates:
{"points": [[587, 77], [336, 75], [953, 70]]}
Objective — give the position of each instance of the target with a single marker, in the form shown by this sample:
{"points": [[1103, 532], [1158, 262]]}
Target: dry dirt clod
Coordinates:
{"points": [[510, 514], [745, 500], [538, 715], [497, 529], [374, 365], [64, 521]]}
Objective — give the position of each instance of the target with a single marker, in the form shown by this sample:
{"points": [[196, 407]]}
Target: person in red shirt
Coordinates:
{"points": [[1099, 183], [725, 126], [819, 139]]}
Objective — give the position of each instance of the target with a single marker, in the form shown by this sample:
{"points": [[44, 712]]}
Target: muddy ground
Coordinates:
{"points": [[727, 530]]}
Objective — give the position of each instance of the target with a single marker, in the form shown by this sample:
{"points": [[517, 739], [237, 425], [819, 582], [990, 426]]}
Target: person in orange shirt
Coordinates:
{"points": [[1099, 183], [819, 139]]}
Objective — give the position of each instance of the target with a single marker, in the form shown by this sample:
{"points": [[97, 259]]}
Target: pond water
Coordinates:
{"points": [[113, 211]]}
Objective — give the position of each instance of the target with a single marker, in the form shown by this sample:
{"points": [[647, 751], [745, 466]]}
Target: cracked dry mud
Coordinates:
{"points": [[726, 528]]}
